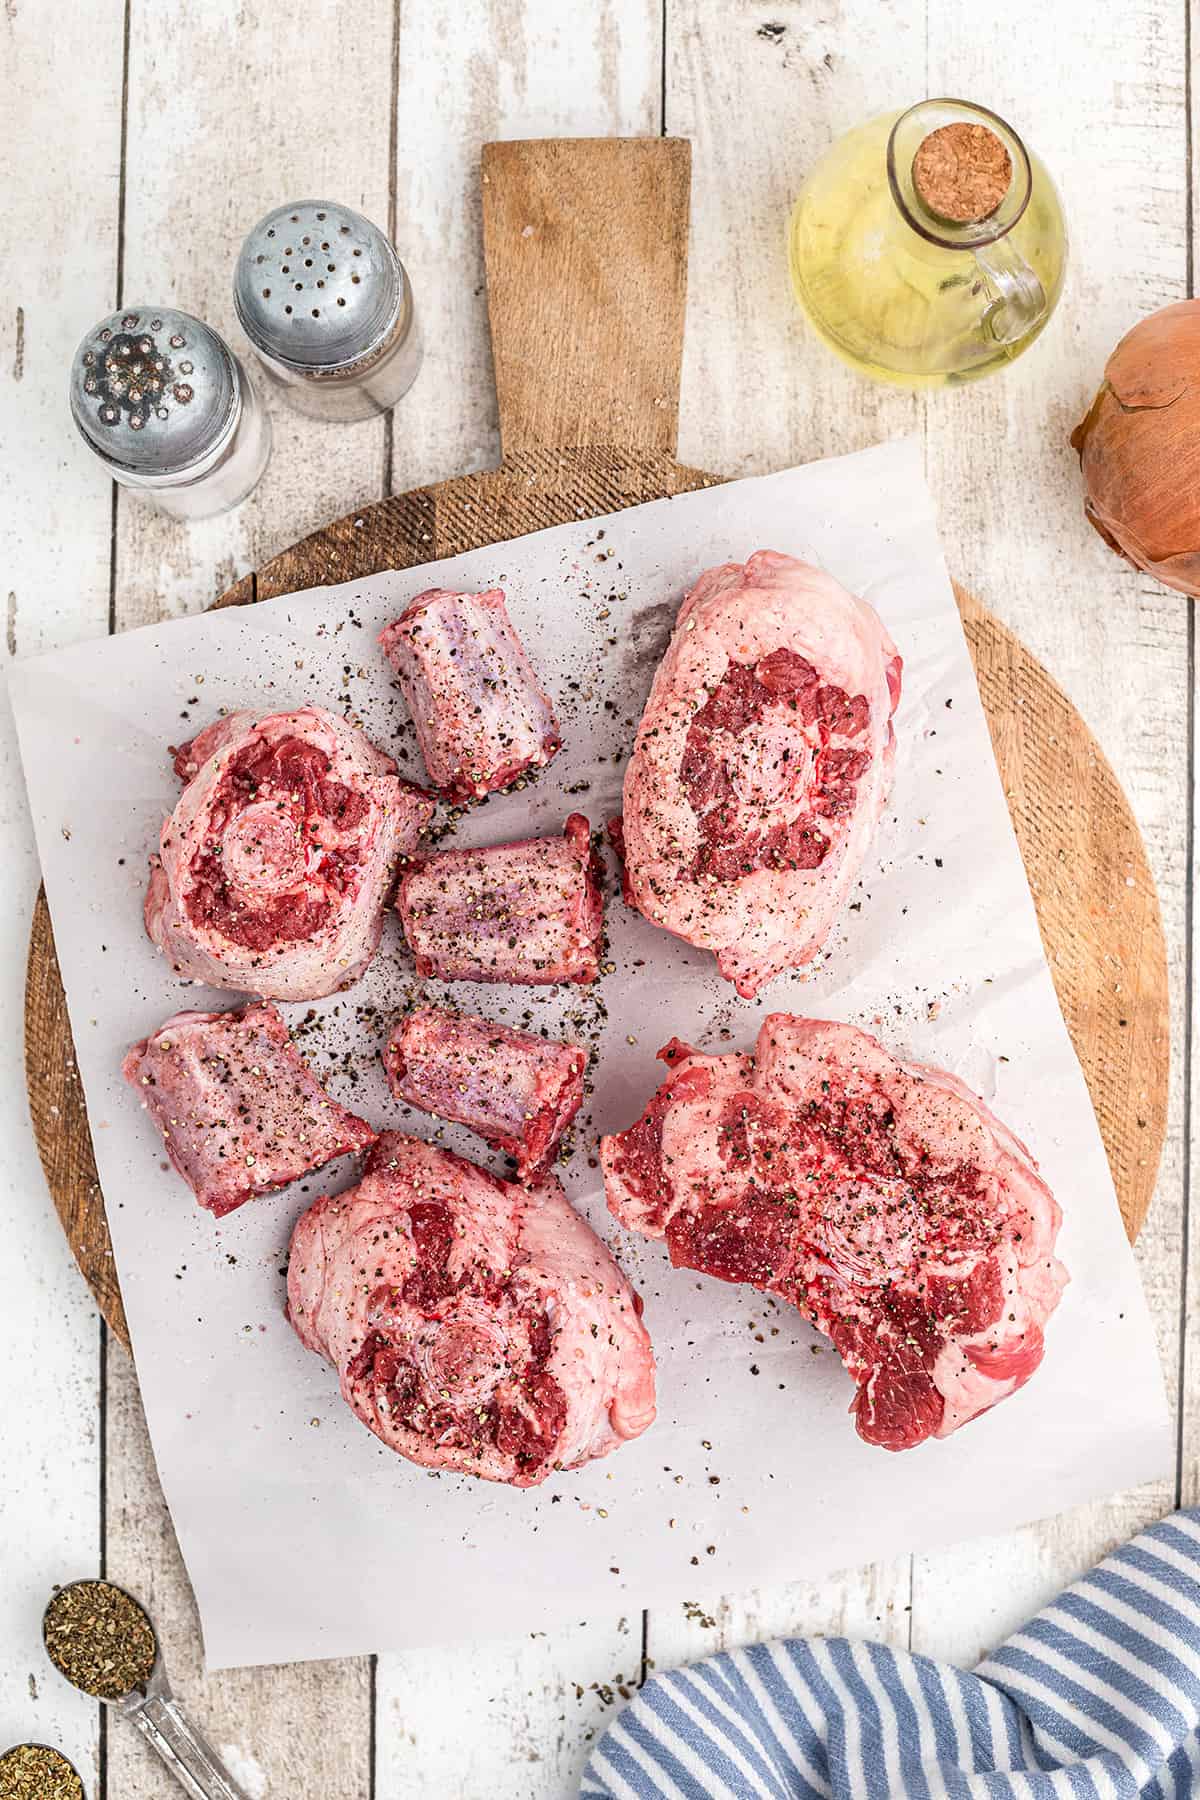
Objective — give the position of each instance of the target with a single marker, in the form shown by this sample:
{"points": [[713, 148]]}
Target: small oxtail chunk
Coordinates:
{"points": [[517, 1091], [529, 912], [239, 1110], [482, 718]]}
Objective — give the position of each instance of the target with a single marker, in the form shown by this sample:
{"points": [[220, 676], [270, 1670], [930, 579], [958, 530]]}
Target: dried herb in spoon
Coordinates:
{"points": [[99, 1638], [35, 1772]]}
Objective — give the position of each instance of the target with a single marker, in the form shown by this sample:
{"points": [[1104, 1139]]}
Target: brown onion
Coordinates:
{"points": [[1139, 448]]}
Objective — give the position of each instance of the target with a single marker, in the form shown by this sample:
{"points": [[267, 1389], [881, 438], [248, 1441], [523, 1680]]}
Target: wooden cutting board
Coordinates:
{"points": [[586, 251]]}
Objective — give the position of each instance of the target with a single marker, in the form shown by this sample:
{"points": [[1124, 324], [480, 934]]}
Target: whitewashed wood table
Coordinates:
{"points": [[142, 137]]}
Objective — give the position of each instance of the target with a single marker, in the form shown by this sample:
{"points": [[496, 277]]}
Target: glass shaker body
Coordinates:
{"points": [[227, 477], [328, 308], [358, 390]]}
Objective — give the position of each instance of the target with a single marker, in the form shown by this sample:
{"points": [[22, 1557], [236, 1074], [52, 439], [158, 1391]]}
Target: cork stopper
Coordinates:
{"points": [[962, 172]]}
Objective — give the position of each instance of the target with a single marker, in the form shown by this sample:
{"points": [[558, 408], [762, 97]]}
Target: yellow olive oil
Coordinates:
{"points": [[909, 298]]}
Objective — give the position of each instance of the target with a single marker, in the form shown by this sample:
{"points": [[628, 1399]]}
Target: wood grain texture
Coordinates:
{"points": [[1096, 901], [593, 231], [61, 167], [265, 122], [469, 71], [761, 92], [60, 1123]]}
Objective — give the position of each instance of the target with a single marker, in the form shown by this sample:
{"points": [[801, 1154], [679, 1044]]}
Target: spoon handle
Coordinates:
{"points": [[193, 1762]]}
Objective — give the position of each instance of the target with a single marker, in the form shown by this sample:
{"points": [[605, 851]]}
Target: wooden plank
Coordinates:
{"points": [[1118, 643], [268, 124], [471, 71], [275, 131], [761, 92], [759, 393], [57, 508], [507, 1720], [610, 253]]}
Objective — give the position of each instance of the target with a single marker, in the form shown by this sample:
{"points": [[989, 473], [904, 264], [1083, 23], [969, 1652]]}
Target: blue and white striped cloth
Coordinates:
{"points": [[1098, 1696]]}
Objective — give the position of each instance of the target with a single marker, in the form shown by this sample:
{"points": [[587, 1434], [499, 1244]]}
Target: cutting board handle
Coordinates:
{"points": [[585, 242]]}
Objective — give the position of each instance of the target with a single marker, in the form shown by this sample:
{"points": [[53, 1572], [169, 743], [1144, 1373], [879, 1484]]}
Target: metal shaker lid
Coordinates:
{"points": [[317, 286], [154, 390]]}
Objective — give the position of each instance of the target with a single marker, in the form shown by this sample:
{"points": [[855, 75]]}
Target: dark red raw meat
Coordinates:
{"points": [[882, 1199], [475, 1325], [274, 868]]}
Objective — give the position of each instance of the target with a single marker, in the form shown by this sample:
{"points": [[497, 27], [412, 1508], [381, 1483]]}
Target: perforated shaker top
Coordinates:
{"points": [[317, 286], [153, 390]]}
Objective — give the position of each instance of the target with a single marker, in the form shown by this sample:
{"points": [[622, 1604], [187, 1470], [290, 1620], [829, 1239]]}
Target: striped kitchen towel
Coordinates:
{"points": [[1099, 1695]]}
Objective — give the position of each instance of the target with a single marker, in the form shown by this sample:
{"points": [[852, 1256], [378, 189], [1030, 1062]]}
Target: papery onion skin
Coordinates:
{"points": [[1139, 448]]}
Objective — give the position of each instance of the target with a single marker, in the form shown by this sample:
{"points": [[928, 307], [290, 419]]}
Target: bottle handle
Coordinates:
{"points": [[193, 1762], [1018, 299]]}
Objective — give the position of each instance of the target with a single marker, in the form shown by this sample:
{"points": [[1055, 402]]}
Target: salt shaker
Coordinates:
{"points": [[167, 407], [325, 301]]}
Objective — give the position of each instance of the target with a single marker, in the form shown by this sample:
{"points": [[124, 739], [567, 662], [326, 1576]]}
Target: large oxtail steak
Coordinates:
{"points": [[761, 765], [475, 1325], [882, 1199], [274, 867]]}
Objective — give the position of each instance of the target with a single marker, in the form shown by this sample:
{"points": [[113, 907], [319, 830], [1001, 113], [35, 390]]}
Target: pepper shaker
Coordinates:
{"points": [[326, 303], [168, 408]]}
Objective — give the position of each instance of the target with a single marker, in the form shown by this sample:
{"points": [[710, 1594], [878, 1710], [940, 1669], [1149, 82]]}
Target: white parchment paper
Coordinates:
{"points": [[302, 1535]]}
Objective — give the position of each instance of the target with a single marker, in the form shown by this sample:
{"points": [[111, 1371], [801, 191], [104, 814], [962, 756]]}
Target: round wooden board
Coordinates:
{"points": [[1096, 902]]}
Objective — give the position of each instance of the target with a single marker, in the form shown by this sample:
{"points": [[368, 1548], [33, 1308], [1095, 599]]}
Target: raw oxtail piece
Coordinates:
{"points": [[882, 1199], [238, 1108], [517, 1091], [482, 717], [530, 912], [761, 765], [474, 1325], [274, 868]]}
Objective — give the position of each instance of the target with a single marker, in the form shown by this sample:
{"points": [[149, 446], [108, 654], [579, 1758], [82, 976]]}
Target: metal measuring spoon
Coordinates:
{"points": [[159, 1717]]}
